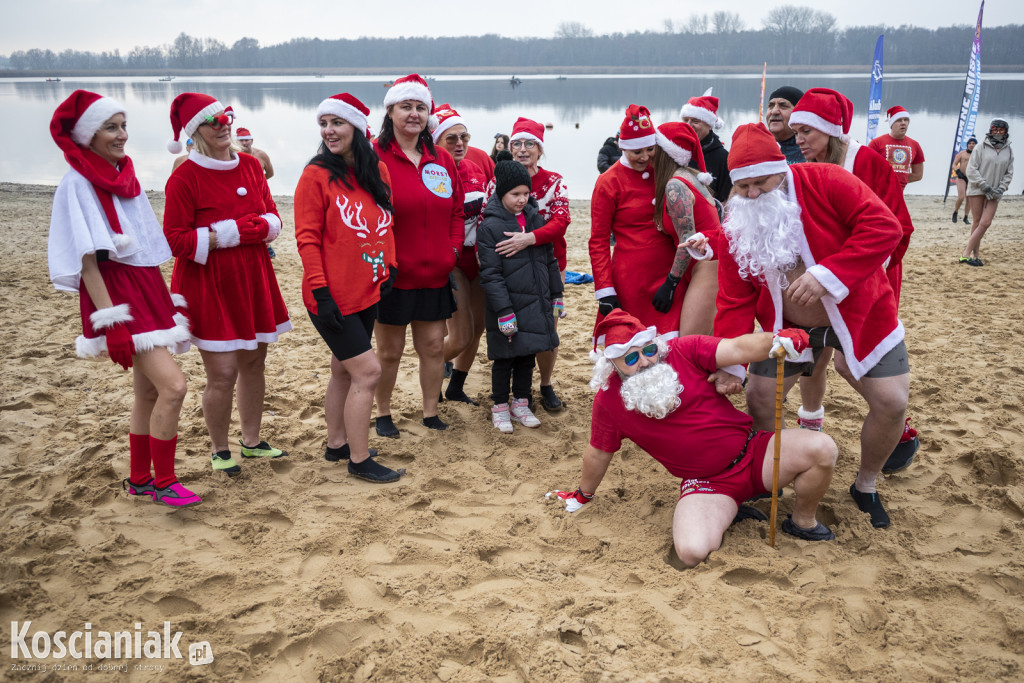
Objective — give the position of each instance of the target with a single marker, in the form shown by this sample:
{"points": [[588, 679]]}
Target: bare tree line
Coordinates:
{"points": [[789, 36]]}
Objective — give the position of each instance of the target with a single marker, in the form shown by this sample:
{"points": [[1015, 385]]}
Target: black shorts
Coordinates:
{"points": [[893, 364], [403, 306], [354, 337]]}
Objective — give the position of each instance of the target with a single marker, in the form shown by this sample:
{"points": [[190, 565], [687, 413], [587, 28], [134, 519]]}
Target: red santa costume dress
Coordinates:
{"points": [[99, 209], [831, 113], [847, 235], [901, 154], [623, 206], [234, 299]]}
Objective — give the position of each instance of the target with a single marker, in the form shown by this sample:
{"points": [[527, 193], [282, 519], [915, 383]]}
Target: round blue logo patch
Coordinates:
{"points": [[899, 156], [436, 179]]}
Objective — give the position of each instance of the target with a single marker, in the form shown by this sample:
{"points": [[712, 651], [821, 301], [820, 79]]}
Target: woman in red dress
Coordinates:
{"points": [[105, 243], [218, 219]]}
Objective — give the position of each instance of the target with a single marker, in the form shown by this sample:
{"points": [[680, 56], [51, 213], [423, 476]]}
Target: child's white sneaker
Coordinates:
{"points": [[501, 418], [522, 414]]}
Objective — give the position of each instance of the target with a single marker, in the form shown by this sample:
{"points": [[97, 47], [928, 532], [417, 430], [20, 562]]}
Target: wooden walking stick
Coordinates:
{"points": [[780, 356]]}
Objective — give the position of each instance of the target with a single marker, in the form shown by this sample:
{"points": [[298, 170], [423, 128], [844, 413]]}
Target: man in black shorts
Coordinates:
{"points": [[806, 248]]}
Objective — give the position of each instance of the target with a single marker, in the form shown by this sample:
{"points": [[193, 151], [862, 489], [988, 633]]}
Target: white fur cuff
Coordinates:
{"points": [[227, 234], [103, 318], [179, 301], [275, 226], [696, 255]]}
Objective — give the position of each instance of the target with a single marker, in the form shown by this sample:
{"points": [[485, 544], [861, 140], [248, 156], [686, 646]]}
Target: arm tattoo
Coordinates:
{"points": [[681, 212]]}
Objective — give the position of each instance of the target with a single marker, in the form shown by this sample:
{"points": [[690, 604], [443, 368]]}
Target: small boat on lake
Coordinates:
{"points": [[53, 80], [167, 79]]}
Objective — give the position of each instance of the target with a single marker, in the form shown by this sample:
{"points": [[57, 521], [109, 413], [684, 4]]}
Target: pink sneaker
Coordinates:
{"points": [[522, 414], [501, 418], [176, 495]]}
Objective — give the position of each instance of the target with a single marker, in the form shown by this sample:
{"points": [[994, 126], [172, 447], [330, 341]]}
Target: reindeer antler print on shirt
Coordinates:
{"points": [[384, 221], [347, 216]]}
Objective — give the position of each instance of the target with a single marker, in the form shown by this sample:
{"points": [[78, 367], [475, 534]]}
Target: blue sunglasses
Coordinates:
{"points": [[633, 357]]}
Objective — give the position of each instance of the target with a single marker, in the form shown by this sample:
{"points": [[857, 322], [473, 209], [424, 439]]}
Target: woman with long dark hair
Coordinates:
{"points": [[429, 231], [343, 220]]}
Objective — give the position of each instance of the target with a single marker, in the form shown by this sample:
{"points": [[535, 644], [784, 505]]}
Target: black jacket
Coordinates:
{"points": [[525, 283], [716, 160], [608, 155]]}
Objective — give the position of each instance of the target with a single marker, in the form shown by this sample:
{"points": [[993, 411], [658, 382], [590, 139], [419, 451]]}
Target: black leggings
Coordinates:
{"points": [[518, 370]]}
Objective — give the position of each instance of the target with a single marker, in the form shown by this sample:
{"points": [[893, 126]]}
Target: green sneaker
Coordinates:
{"points": [[223, 462], [261, 450]]}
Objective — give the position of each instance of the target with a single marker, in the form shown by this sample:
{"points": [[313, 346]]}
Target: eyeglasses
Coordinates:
{"points": [[452, 138], [528, 144], [633, 357], [225, 119]]}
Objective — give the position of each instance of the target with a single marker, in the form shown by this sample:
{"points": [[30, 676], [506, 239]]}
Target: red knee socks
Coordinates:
{"points": [[139, 458], [163, 460]]}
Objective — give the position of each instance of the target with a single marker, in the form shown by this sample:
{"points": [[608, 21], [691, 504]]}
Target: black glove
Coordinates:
{"points": [[386, 285], [327, 310], [607, 304], [662, 300]]}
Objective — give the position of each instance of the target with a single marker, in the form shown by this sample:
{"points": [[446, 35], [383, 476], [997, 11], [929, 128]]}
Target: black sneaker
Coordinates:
{"points": [[373, 471], [549, 399], [954, 216]]}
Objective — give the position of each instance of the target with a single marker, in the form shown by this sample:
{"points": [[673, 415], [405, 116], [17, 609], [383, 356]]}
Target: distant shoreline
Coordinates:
{"points": [[506, 70]]}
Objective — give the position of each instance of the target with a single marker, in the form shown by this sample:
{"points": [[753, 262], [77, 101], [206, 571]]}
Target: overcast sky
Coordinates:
{"points": [[98, 25]]}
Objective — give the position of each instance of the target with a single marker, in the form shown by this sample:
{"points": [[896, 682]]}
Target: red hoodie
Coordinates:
{"points": [[429, 223]]}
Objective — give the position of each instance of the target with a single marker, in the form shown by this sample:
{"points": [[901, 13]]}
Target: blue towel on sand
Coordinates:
{"points": [[572, 278]]}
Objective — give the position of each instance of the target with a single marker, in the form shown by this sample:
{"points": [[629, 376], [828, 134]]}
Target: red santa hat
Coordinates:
{"points": [[74, 123], [189, 111], [446, 118], [755, 153], [637, 129], [526, 129], [894, 114], [679, 140], [347, 107], [619, 331], [704, 108], [243, 134], [81, 115], [412, 87], [826, 110]]}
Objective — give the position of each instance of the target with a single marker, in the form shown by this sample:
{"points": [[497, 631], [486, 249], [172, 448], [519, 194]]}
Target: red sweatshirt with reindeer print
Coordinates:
{"points": [[345, 240]]}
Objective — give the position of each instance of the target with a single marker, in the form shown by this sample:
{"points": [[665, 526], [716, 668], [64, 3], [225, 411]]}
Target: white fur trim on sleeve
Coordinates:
{"points": [[275, 226], [179, 301], [202, 246], [102, 318], [696, 255], [736, 371], [829, 281], [227, 234], [606, 291]]}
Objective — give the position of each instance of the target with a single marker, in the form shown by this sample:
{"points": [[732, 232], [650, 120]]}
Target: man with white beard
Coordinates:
{"points": [[807, 245], [658, 395]]}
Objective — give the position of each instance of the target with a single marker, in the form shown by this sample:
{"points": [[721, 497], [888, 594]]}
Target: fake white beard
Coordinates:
{"points": [[764, 234], [653, 391]]}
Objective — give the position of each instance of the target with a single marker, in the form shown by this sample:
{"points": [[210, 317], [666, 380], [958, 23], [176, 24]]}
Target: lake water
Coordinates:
{"points": [[582, 110]]}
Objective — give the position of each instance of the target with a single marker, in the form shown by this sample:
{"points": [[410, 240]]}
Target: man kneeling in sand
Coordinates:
{"points": [[659, 396]]}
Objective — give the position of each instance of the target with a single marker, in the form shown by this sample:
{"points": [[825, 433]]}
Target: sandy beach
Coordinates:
{"points": [[461, 572]]}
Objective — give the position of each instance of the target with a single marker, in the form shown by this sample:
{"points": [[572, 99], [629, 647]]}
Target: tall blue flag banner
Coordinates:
{"points": [[969, 103], [875, 91]]}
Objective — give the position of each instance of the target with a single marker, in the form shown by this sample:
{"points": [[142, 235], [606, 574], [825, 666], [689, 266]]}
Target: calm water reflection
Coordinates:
{"points": [[583, 111]]}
